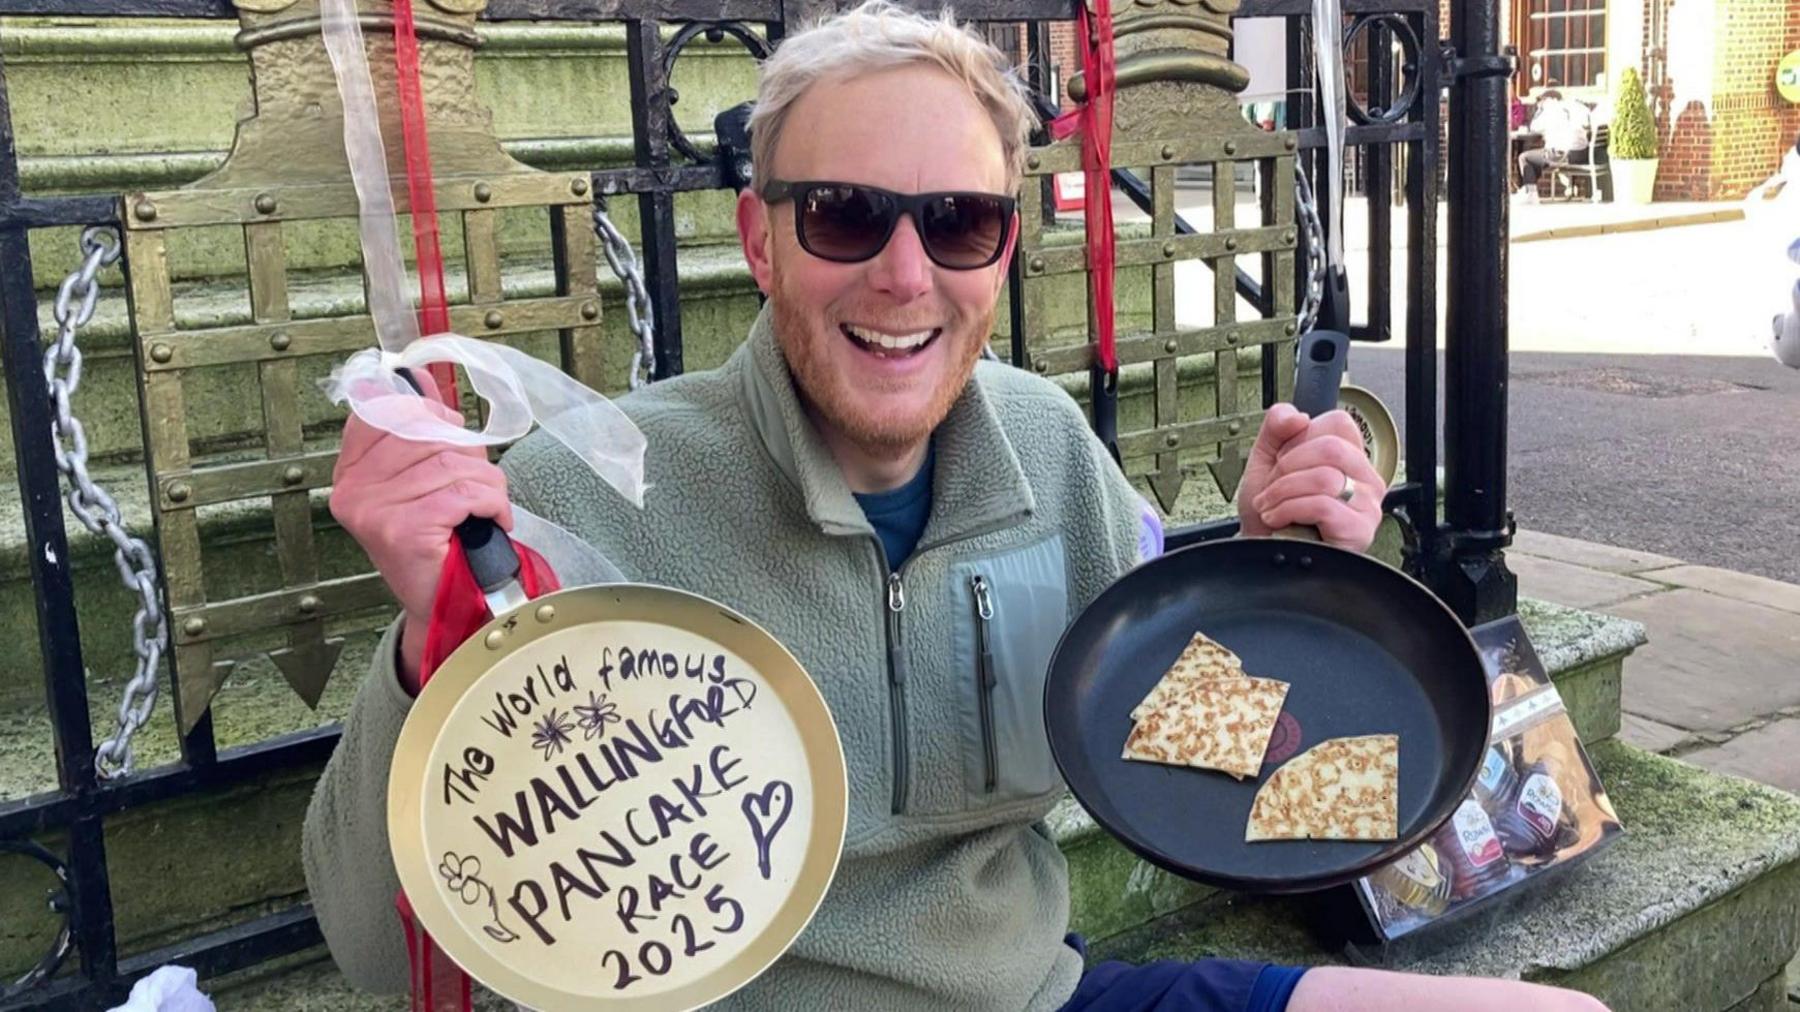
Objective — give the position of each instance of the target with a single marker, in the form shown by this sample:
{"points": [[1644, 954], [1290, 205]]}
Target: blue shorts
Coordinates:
{"points": [[1210, 985]]}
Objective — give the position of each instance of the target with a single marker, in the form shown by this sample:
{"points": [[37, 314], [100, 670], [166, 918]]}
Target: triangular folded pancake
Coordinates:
{"points": [[1340, 789], [1214, 723], [1203, 658]]}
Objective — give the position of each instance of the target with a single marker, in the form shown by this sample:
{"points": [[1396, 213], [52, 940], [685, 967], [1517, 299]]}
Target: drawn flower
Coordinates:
{"points": [[461, 874], [552, 733], [596, 715]]}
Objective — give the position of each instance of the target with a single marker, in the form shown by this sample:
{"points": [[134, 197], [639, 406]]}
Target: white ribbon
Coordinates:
{"points": [[1328, 53], [520, 390]]}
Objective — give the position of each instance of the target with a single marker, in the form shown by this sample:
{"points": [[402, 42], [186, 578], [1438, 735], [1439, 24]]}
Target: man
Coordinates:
{"points": [[1564, 127], [877, 468]]}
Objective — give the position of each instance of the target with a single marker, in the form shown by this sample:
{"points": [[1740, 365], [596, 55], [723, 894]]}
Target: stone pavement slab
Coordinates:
{"points": [[1770, 754], [1652, 735], [1587, 554], [1737, 586], [1712, 663], [1572, 585]]}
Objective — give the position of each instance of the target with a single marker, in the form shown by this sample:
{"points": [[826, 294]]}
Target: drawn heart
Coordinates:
{"points": [[767, 811]]}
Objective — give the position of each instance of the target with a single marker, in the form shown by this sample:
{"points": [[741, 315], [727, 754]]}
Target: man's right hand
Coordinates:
{"points": [[401, 500]]}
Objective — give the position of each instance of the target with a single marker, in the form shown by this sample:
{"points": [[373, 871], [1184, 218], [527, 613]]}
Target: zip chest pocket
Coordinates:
{"points": [[1014, 609]]}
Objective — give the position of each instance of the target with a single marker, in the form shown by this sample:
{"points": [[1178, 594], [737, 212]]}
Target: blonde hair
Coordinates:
{"points": [[879, 35]]}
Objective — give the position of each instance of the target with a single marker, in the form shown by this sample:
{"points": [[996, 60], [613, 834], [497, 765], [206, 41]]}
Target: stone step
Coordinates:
{"points": [[1695, 909]]}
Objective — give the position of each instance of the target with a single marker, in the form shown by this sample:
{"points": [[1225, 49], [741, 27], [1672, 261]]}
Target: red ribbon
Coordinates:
{"points": [[1094, 121], [434, 311], [458, 611]]}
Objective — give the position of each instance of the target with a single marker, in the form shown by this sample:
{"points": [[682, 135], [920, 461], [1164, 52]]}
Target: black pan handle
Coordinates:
{"points": [[1318, 371], [490, 552]]}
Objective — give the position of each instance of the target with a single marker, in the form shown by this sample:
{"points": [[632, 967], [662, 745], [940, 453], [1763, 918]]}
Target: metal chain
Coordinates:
{"points": [[1307, 206], [92, 505], [638, 310]]}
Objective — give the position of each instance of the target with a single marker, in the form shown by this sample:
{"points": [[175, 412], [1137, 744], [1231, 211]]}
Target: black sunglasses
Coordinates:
{"points": [[850, 222]]}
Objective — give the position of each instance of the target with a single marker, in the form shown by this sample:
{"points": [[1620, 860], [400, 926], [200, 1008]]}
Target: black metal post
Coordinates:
{"points": [[1378, 185], [47, 553], [1421, 299], [651, 113], [1473, 578]]}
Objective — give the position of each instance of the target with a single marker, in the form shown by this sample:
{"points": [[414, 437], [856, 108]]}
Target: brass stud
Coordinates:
{"points": [[546, 612], [1231, 147], [1235, 427], [590, 310], [1231, 244], [1168, 151], [578, 186], [1033, 161], [309, 604], [292, 475], [1037, 265], [1287, 236], [265, 203], [195, 626], [495, 638], [145, 210], [1169, 249], [161, 352], [280, 341], [1172, 439], [1291, 329], [1171, 346], [484, 192], [179, 491], [493, 319], [1232, 338]]}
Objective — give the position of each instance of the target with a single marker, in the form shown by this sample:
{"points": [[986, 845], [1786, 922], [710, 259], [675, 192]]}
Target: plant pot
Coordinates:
{"points": [[1634, 180]]}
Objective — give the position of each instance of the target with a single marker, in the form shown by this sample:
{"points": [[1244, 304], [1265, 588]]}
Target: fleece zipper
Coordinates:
{"points": [[893, 602], [985, 679]]}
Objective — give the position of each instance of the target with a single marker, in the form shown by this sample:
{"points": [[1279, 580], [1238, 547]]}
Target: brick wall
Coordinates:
{"points": [[1753, 124], [1064, 57], [1719, 154]]}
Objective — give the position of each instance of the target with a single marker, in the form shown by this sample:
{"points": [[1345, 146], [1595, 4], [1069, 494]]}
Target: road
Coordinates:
{"points": [[1689, 447]]}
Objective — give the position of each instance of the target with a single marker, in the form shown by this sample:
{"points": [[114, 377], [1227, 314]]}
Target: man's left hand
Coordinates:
{"points": [[1299, 472]]}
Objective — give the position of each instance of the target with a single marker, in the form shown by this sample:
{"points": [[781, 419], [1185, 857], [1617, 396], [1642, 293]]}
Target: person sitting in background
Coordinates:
{"points": [[1564, 125]]}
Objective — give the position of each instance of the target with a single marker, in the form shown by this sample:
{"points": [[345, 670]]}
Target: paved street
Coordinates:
{"points": [[1646, 409], [1682, 449]]}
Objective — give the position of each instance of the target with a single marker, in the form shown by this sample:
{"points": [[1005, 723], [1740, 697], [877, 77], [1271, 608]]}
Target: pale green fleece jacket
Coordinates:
{"points": [[950, 893]]}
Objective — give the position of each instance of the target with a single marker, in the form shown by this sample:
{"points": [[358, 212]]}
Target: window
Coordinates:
{"points": [[1562, 44]]}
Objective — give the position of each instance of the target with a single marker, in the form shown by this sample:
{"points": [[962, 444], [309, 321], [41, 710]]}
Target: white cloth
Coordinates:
{"points": [[169, 989], [1563, 124]]}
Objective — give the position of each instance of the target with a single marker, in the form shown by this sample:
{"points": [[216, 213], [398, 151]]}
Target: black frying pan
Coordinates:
{"points": [[1366, 650]]}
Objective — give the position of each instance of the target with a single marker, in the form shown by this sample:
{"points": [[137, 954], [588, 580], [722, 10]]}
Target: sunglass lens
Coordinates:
{"points": [[964, 230], [845, 222]]}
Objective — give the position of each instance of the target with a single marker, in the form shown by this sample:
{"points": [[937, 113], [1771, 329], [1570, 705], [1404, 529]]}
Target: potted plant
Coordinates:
{"points": [[1632, 148]]}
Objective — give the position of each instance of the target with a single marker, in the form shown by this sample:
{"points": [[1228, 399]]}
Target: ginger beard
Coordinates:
{"points": [[873, 412]]}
